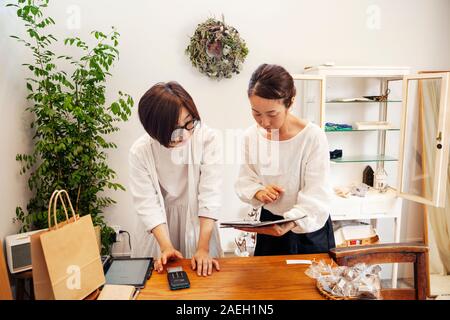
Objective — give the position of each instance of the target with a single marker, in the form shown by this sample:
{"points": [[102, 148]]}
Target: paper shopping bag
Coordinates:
{"points": [[68, 263], [41, 279]]}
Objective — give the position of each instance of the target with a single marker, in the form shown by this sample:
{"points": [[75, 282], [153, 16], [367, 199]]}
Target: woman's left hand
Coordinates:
{"points": [[203, 263], [276, 230]]}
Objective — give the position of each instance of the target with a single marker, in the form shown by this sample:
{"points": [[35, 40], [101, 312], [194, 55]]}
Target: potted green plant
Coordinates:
{"points": [[71, 121]]}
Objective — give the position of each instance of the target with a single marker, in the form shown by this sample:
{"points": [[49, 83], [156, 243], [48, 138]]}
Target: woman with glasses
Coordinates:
{"points": [[290, 178], [175, 181]]}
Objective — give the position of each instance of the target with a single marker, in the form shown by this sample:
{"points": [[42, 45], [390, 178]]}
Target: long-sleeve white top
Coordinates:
{"points": [[300, 165], [176, 186]]}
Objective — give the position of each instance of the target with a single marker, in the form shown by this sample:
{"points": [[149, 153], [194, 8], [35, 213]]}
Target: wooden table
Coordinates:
{"points": [[241, 278]]}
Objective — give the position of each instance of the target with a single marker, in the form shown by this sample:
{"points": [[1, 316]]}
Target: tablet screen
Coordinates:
{"points": [[128, 271]]}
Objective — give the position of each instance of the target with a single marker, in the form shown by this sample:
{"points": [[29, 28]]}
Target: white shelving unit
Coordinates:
{"points": [[318, 89]]}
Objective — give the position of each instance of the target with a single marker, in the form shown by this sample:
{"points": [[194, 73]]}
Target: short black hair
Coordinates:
{"points": [[159, 110]]}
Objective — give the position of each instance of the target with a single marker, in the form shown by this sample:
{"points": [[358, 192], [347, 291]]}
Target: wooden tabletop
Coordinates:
{"points": [[240, 278]]}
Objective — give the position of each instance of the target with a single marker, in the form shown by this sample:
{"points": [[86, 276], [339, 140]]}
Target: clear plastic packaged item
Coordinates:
{"points": [[359, 190], [360, 281]]}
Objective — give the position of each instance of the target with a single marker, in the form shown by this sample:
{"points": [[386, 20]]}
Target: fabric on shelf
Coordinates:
{"points": [[329, 126]]}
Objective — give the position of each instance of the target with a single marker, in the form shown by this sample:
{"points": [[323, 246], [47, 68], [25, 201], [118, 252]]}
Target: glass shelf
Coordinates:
{"points": [[364, 158], [353, 130], [343, 102]]}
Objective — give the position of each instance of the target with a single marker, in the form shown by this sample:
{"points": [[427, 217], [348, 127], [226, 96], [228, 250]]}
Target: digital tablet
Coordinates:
{"points": [[128, 271], [255, 224]]}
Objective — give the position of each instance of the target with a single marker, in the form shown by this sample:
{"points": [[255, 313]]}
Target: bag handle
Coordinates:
{"points": [[57, 194], [62, 191], [50, 205]]}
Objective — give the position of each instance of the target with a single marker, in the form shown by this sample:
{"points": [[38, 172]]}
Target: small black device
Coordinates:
{"points": [[178, 278]]}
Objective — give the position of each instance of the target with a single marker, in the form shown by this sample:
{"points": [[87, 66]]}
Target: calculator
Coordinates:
{"points": [[178, 278]]}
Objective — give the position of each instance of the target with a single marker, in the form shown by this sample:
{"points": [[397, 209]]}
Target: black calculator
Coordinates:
{"points": [[178, 278]]}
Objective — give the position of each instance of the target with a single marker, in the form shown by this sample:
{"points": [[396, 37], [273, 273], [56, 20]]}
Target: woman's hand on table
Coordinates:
{"points": [[270, 194], [167, 254], [203, 263], [276, 230]]}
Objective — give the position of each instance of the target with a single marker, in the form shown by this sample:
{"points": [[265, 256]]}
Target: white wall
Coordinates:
{"points": [[14, 123], [295, 34]]}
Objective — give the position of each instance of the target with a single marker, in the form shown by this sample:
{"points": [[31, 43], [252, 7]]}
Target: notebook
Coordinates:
{"points": [[117, 292]]}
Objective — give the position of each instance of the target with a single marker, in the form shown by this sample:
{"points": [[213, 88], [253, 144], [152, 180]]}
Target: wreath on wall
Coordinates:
{"points": [[216, 49]]}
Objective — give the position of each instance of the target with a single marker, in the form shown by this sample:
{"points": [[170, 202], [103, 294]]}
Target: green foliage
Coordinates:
{"points": [[107, 234], [216, 49], [71, 120]]}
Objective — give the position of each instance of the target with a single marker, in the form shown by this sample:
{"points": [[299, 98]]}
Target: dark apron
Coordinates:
{"points": [[320, 241]]}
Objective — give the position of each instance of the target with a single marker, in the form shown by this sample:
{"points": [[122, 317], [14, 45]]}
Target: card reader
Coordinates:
{"points": [[178, 278]]}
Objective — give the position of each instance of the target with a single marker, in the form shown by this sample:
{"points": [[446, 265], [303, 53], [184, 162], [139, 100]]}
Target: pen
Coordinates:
{"points": [[136, 294]]}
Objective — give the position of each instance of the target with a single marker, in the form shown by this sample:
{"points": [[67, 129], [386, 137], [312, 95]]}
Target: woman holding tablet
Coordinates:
{"points": [[292, 179]]}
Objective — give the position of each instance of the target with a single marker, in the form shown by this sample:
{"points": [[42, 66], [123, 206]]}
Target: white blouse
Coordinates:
{"points": [[175, 187], [172, 175], [299, 165]]}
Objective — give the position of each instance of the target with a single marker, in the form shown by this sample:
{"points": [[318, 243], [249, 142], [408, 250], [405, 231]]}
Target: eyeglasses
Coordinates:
{"points": [[180, 134], [189, 126]]}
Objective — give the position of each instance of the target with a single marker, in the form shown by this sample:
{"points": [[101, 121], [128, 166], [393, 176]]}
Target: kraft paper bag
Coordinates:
{"points": [[66, 260], [41, 280]]}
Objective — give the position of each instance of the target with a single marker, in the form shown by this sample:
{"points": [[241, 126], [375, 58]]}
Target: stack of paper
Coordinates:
{"points": [[369, 125], [349, 100]]}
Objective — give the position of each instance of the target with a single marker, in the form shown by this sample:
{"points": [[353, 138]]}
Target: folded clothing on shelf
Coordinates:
{"points": [[329, 126]]}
